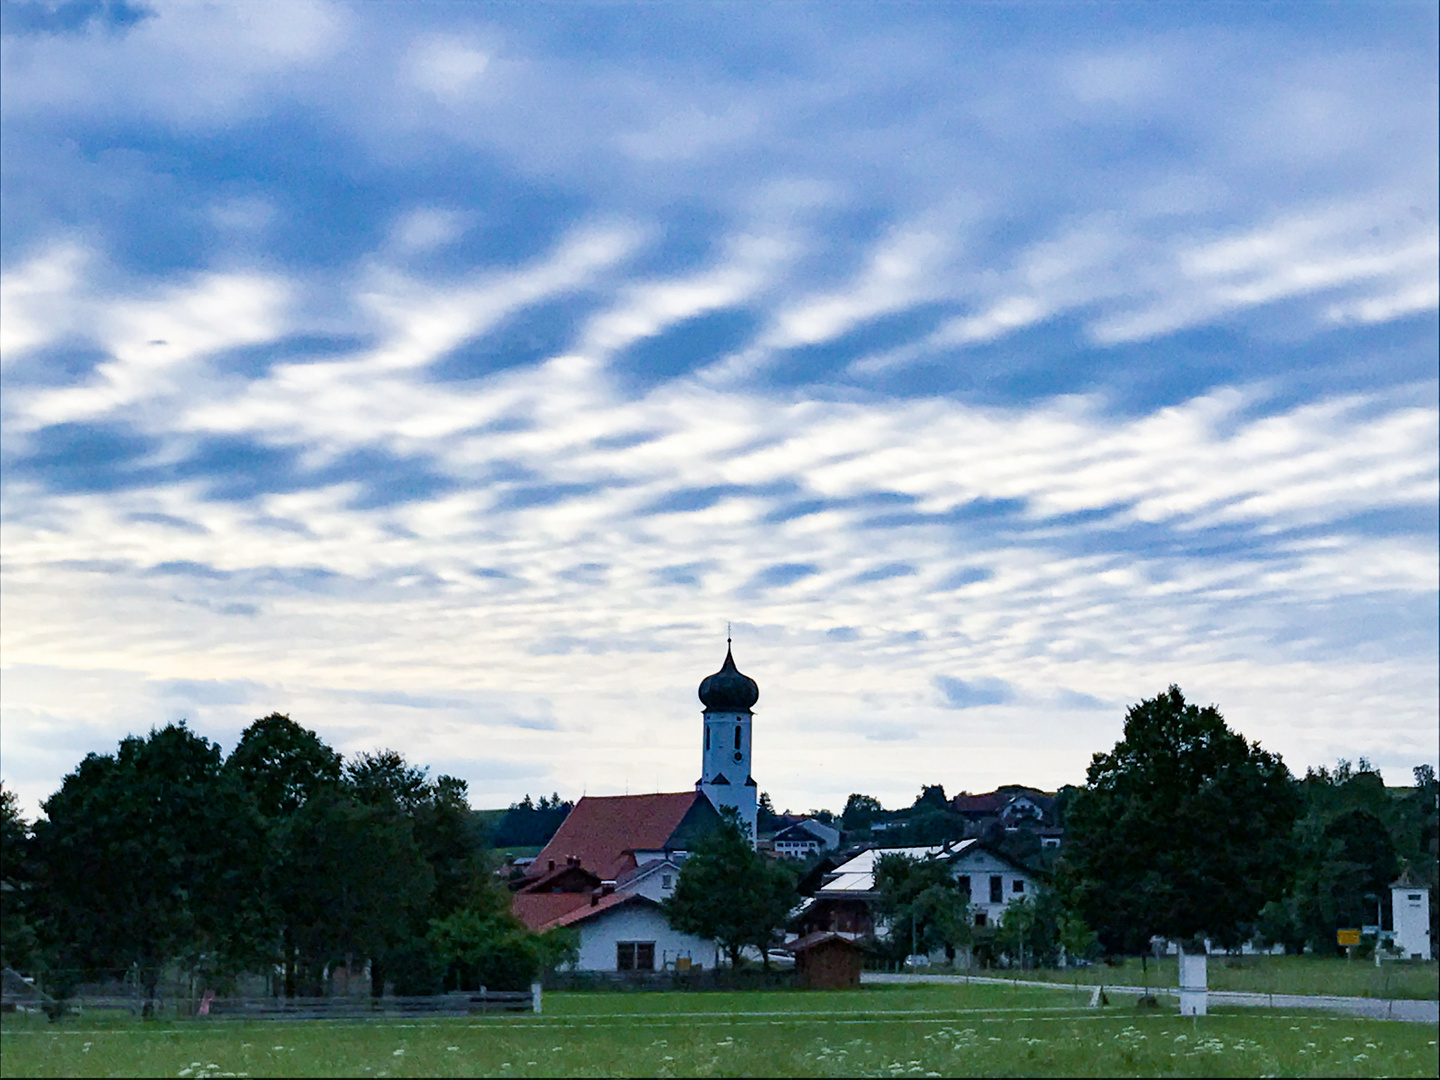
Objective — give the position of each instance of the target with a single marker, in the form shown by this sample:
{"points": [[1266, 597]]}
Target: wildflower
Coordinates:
{"points": [[398, 1053], [277, 1048], [452, 1048]]}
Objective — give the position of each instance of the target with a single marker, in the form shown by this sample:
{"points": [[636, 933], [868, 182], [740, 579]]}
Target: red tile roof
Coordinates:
{"points": [[990, 803], [605, 903], [538, 910], [603, 830]]}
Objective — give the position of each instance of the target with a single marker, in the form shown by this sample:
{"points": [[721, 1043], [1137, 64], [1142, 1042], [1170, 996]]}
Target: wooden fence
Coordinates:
{"points": [[466, 1003]]}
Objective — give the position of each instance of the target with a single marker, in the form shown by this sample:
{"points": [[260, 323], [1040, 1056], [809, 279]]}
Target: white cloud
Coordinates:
{"points": [[404, 609], [447, 67]]}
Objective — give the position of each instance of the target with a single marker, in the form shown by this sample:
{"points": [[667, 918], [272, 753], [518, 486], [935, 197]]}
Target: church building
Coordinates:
{"points": [[614, 858]]}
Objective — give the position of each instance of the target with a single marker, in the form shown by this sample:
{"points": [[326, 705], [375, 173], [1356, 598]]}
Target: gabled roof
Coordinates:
{"points": [[541, 909], [605, 831], [856, 876], [1408, 880], [822, 937], [589, 910], [644, 870], [990, 803], [565, 877]]}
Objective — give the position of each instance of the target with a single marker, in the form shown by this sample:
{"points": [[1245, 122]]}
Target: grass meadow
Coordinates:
{"points": [[912, 1031], [1412, 979]]}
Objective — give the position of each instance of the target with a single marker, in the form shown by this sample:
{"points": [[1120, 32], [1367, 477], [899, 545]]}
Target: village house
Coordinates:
{"points": [[844, 902], [804, 838], [614, 859]]}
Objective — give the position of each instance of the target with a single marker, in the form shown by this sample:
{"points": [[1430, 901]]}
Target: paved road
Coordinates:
{"points": [[1418, 1012]]}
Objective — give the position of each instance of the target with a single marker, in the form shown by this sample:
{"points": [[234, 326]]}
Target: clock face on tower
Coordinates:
{"points": [[739, 756]]}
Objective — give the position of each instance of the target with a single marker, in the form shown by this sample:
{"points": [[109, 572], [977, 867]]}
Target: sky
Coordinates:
{"points": [[448, 376]]}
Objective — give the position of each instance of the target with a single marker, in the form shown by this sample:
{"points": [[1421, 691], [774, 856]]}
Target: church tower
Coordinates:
{"points": [[728, 697]]}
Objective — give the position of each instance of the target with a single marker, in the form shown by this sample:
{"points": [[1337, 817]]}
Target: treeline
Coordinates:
{"points": [[281, 858], [1184, 830]]}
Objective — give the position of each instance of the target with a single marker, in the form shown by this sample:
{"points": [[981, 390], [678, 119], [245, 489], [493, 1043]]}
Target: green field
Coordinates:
{"points": [[1412, 979], [890, 1031]]}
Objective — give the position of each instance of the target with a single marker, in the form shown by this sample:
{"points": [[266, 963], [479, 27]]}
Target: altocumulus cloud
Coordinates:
{"points": [[448, 377]]}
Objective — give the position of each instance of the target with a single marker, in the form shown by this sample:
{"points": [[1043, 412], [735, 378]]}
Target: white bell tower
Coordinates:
{"points": [[729, 697]]}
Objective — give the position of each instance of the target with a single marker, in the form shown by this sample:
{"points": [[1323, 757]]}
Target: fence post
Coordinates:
{"points": [[536, 990]]}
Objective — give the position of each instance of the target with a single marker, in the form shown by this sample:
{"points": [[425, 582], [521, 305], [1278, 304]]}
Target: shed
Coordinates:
{"points": [[827, 961]]}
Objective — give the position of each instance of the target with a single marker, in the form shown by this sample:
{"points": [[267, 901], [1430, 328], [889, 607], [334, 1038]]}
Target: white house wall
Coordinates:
{"points": [[982, 866], [637, 922]]}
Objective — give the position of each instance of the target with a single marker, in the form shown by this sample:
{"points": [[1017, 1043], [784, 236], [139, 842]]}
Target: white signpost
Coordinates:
{"points": [[1194, 990]]}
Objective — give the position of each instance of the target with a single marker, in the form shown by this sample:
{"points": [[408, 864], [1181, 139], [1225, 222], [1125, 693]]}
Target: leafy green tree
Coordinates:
{"points": [[282, 766], [932, 796], [1183, 829], [860, 811], [767, 821], [150, 856], [729, 892], [354, 883], [1352, 838], [922, 903], [19, 944], [1017, 932], [384, 778]]}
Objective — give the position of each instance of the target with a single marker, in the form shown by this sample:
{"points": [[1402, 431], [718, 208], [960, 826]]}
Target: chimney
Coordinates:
{"points": [[572, 860]]}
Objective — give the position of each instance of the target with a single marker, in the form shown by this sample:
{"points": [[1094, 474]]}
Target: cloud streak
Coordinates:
{"points": [[453, 382]]}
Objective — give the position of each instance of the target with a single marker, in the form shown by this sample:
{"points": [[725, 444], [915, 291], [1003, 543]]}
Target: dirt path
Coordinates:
{"points": [[1416, 1012]]}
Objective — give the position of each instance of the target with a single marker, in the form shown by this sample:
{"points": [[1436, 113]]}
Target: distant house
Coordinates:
{"points": [[847, 895], [625, 844], [804, 838], [626, 931], [1012, 806]]}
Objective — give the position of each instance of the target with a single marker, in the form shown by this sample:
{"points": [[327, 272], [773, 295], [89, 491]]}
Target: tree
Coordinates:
{"points": [[729, 892], [150, 856], [354, 884], [19, 945], [767, 821], [1183, 829], [282, 766], [921, 901], [384, 778], [860, 811]]}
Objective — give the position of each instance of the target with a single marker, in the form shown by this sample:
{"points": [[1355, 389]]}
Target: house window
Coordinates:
{"points": [[997, 889], [664, 881], [979, 918], [737, 736], [635, 956], [963, 884], [1017, 885]]}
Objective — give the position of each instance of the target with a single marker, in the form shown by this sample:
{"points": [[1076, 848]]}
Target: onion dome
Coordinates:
{"points": [[728, 690]]}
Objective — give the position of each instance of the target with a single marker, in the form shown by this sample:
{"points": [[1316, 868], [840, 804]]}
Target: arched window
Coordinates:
{"points": [[707, 736], [737, 736]]}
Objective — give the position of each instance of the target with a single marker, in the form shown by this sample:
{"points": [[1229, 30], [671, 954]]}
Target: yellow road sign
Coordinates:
{"points": [[1347, 937]]}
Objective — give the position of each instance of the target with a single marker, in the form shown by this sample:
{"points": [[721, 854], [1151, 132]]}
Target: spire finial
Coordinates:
{"points": [[727, 631]]}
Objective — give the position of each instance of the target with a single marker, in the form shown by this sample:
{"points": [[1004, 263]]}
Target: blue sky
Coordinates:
{"points": [[448, 375]]}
